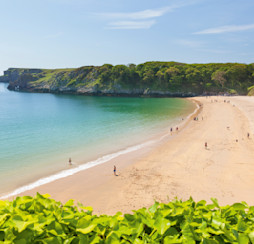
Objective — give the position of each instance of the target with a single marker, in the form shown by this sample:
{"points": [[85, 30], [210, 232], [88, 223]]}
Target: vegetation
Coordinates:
{"points": [[168, 77], [43, 220]]}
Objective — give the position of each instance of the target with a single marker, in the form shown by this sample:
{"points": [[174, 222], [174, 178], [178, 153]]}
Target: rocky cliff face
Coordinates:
{"points": [[13, 74], [19, 78], [84, 80], [4, 79], [147, 79]]}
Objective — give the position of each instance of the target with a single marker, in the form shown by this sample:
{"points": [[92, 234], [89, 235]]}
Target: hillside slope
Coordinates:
{"points": [[150, 78]]}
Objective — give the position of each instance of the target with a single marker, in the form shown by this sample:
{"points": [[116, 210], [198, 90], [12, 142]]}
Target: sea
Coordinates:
{"points": [[39, 132]]}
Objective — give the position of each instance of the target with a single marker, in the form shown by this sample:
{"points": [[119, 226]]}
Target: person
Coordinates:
{"points": [[114, 170], [248, 135], [70, 163], [205, 145]]}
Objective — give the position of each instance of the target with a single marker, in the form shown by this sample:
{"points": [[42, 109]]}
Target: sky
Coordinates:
{"points": [[74, 33]]}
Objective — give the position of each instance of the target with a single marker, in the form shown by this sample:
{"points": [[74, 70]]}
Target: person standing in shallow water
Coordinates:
{"points": [[114, 170], [70, 163]]}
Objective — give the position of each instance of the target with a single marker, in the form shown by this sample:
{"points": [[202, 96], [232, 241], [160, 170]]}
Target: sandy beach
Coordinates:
{"points": [[177, 166]]}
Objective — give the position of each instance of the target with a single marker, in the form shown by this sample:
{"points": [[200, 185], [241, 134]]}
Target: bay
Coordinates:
{"points": [[39, 132]]}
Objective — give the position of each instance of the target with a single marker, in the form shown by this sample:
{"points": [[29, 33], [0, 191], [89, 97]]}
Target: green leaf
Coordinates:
{"points": [[69, 240], [228, 234], [46, 195], [88, 209], [69, 203], [20, 241], [241, 225], [4, 218], [52, 240], [251, 236], [112, 238], [243, 239], [85, 225], [215, 202], [154, 207], [162, 225], [239, 206], [189, 233], [56, 229], [19, 223], [87, 229], [209, 241], [171, 239], [216, 222]]}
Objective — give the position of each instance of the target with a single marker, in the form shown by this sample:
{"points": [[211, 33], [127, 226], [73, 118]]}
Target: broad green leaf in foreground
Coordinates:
{"points": [[41, 219]]}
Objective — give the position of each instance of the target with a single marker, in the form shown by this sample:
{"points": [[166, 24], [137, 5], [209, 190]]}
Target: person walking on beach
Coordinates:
{"points": [[248, 135], [205, 145], [70, 163], [114, 170]]}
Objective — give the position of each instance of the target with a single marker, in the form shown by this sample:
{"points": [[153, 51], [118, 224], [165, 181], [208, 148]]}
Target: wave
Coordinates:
{"points": [[101, 160], [69, 172]]}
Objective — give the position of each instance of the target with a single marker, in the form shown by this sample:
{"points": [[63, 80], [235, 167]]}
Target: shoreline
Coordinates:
{"points": [[177, 166], [29, 154], [152, 142], [50, 178]]}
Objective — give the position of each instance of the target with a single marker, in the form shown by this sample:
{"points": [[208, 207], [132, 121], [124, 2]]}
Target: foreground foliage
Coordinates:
{"points": [[43, 220]]}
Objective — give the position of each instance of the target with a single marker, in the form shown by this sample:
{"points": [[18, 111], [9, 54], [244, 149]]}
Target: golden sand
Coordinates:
{"points": [[178, 166]]}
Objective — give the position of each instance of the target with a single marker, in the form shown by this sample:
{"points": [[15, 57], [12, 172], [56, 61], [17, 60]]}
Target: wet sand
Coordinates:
{"points": [[177, 166]]}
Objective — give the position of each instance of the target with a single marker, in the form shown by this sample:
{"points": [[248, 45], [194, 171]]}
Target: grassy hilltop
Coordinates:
{"points": [[150, 78]]}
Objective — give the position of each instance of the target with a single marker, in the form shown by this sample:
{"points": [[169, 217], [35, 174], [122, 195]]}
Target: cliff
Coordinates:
{"points": [[148, 79]]}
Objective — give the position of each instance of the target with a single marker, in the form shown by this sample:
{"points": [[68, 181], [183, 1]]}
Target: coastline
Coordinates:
{"points": [[178, 166], [144, 147], [41, 136]]}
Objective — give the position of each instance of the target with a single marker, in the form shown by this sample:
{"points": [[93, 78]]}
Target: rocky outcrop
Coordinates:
{"points": [[88, 80], [147, 79], [13, 74], [4, 79], [60, 82]]}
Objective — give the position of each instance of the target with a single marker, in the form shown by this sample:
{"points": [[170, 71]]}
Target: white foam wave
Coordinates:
{"points": [[69, 172]]}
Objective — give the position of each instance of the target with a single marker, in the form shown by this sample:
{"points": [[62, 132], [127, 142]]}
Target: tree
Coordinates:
{"points": [[238, 73], [120, 73], [105, 73], [219, 76]]}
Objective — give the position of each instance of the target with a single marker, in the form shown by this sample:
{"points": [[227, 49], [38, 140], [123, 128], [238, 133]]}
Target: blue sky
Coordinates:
{"points": [[74, 33]]}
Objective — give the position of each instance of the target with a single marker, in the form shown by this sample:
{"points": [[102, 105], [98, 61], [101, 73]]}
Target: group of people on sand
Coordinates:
{"points": [[171, 130]]}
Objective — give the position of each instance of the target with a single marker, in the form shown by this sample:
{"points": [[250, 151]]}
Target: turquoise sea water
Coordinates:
{"points": [[39, 132]]}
